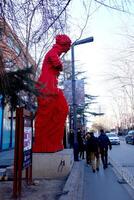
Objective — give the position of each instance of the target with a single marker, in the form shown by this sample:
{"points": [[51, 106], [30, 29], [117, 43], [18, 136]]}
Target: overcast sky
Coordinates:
{"points": [[108, 28]]}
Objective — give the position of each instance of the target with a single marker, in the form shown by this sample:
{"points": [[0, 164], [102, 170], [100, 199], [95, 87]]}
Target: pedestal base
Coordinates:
{"points": [[52, 165]]}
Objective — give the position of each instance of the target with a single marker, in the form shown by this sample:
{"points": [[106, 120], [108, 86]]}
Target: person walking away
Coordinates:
{"points": [[80, 144], [87, 137], [104, 144], [71, 139], [93, 149]]}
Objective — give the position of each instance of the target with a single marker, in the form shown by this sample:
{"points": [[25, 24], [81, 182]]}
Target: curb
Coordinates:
{"points": [[73, 189], [124, 173]]}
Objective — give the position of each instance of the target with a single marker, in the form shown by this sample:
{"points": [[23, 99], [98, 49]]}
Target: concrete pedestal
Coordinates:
{"points": [[53, 165]]}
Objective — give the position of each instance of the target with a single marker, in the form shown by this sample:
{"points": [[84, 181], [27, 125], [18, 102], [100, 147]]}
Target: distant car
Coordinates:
{"points": [[113, 137], [129, 138]]}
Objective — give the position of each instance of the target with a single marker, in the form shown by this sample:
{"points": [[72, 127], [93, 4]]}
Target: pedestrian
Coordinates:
{"points": [[104, 144], [88, 160], [71, 138], [80, 143], [93, 151]]}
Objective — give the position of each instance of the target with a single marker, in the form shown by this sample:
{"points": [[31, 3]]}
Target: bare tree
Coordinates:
{"points": [[123, 86], [35, 22], [120, 5]]}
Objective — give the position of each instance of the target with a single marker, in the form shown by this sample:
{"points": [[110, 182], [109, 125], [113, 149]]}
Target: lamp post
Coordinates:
{"points": [[78, 42]]}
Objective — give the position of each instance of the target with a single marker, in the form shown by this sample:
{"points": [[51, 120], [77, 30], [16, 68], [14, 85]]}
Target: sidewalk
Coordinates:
{"points": [[81, 184], [40, 189], [105, 184]]}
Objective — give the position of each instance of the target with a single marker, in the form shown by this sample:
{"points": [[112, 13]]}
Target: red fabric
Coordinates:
{"points": [[52, 106]]}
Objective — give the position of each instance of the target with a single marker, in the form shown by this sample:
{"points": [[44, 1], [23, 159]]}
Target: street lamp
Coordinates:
{"points": [[78, 42]]}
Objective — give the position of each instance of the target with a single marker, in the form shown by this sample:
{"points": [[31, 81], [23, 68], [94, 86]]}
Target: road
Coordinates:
{"points": [[123, 155]]}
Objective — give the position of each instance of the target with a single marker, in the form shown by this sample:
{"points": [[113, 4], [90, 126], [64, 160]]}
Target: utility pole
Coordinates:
{"points": [[77, 42]]}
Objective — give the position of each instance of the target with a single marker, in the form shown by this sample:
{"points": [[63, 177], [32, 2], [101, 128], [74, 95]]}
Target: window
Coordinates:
{"points": [[1, 116], [8, 63], [12, 45], [1, 32], [6, 129], [111, 135], [131, 133], [10, 41], [17, 49]]}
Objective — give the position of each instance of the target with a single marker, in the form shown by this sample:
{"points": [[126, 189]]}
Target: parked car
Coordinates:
{"points": [[129, 138], [113, 137]]}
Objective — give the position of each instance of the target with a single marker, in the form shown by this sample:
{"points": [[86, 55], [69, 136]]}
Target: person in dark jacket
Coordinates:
{"points": [[71, 138], [93, 147], [87, 137], [80, 144], [104, 144]]}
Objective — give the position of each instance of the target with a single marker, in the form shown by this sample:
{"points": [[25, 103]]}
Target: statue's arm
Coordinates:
{"points": [[55, 61]]}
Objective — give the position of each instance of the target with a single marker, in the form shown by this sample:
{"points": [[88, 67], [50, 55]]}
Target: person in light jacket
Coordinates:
{"points": [[93, 151]]}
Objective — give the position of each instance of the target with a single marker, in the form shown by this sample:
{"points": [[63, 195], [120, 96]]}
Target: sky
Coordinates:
{"points": [[108, 28]]}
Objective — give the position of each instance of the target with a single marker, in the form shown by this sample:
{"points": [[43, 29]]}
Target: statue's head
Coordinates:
{"points": [[64, 41]]}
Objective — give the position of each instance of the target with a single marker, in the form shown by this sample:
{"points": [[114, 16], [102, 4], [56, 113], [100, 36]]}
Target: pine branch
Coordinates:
{"points": [[15, 85]]}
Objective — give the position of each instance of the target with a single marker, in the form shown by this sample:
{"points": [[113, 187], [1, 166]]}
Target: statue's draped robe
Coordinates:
{"points": [[52, 106]]}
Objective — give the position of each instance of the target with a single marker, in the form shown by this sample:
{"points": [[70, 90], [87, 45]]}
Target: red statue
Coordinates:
{"points": [[52, 105]]}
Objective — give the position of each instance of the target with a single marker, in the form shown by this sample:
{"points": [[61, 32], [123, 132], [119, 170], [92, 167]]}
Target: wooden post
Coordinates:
{"points": [[19, 153]]}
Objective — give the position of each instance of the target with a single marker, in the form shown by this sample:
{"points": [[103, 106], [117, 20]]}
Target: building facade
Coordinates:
{"points": [[14, 56]]}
